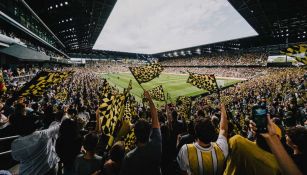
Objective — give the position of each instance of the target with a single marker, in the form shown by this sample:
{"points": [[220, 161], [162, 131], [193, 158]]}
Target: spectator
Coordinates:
{"points": [[187, 138], [68, 145], [35, 149], [89, 162], [296, 138], [145, 158], [117, 154], [250, 157], [205, 156]]}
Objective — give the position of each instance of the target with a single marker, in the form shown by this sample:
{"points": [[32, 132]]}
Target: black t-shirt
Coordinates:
{"points": [[146, 159]]}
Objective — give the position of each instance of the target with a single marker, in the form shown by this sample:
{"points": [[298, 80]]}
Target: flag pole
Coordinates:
{"points": [[165, 99], [218, 89]]}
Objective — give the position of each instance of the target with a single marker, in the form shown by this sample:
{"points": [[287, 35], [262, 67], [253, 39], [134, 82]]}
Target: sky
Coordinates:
{"points": [[154, 26]]}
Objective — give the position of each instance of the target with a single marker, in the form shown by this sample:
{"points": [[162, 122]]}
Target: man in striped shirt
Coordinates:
{"points": [[205, 157]]}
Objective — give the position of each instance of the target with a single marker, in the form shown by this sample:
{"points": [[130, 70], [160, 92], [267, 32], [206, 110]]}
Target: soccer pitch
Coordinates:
{"points": [[173, 84]]}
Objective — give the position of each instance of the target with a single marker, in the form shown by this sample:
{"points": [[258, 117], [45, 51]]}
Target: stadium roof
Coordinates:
{"points": [[277, 22], [77, 23]]}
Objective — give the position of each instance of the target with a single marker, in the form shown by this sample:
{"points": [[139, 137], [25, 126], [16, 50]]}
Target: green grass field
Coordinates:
{"points": [[173, 84]]}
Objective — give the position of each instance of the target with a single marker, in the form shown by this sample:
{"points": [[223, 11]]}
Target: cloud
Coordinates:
{"points": [[152, 26]]}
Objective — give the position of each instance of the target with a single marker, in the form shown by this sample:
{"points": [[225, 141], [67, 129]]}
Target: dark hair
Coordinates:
{"points": [[23, 125], [204, 130], [142, 131], [191, 130], [298, 135], [20, 109], [90, 142], [201, 113], [69, 129], [35, 106], [117, 152]]}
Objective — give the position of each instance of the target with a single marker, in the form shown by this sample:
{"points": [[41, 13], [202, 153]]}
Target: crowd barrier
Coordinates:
{"points": [[7, 139]]}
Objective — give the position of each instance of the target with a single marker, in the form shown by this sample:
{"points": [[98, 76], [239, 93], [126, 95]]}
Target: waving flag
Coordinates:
{"points": [[130, 140], [298, 52], [111, 112], [41, 82], [203, 81], [157, 93], [183, 104], [106, 88], [144, 74]]}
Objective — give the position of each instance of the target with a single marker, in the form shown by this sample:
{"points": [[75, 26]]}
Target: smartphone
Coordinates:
{"points": [[259, 116]]}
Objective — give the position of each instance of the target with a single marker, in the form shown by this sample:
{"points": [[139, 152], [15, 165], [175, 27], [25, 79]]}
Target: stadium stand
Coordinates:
{"points": [[68, 109]]}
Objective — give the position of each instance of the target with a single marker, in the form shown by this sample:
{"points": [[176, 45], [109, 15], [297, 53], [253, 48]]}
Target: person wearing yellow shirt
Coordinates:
{"points": [[266, 156]]}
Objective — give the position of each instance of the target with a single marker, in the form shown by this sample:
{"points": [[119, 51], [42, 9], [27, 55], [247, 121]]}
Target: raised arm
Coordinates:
{"points": [[153, 111], [224, 121], [285, 162]]}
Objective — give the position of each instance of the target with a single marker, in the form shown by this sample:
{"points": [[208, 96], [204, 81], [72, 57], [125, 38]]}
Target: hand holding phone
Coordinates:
{"points": [[259, 116]]}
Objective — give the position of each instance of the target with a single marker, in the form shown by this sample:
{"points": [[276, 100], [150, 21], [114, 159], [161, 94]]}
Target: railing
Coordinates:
{"points": [[5, 139], [23, 76]]}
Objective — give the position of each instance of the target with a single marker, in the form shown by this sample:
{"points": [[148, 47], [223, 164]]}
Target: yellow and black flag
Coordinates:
{"points": [[130, 140], [128, 112], [111, 112], [157, 93], [226, 99], [297, 51], [44, 80], [183, 104], [146, 73], [106, 88], [203, 81], [106, 105]]}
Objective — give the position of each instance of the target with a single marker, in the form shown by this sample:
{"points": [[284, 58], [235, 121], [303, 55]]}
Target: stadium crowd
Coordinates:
{"points": [[218, 60], [236, 72], [60, 133]]}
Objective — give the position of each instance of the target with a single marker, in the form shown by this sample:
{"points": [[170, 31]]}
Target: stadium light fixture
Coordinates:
{"points": [[66, 3], [61, 4], [56, 6]]}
